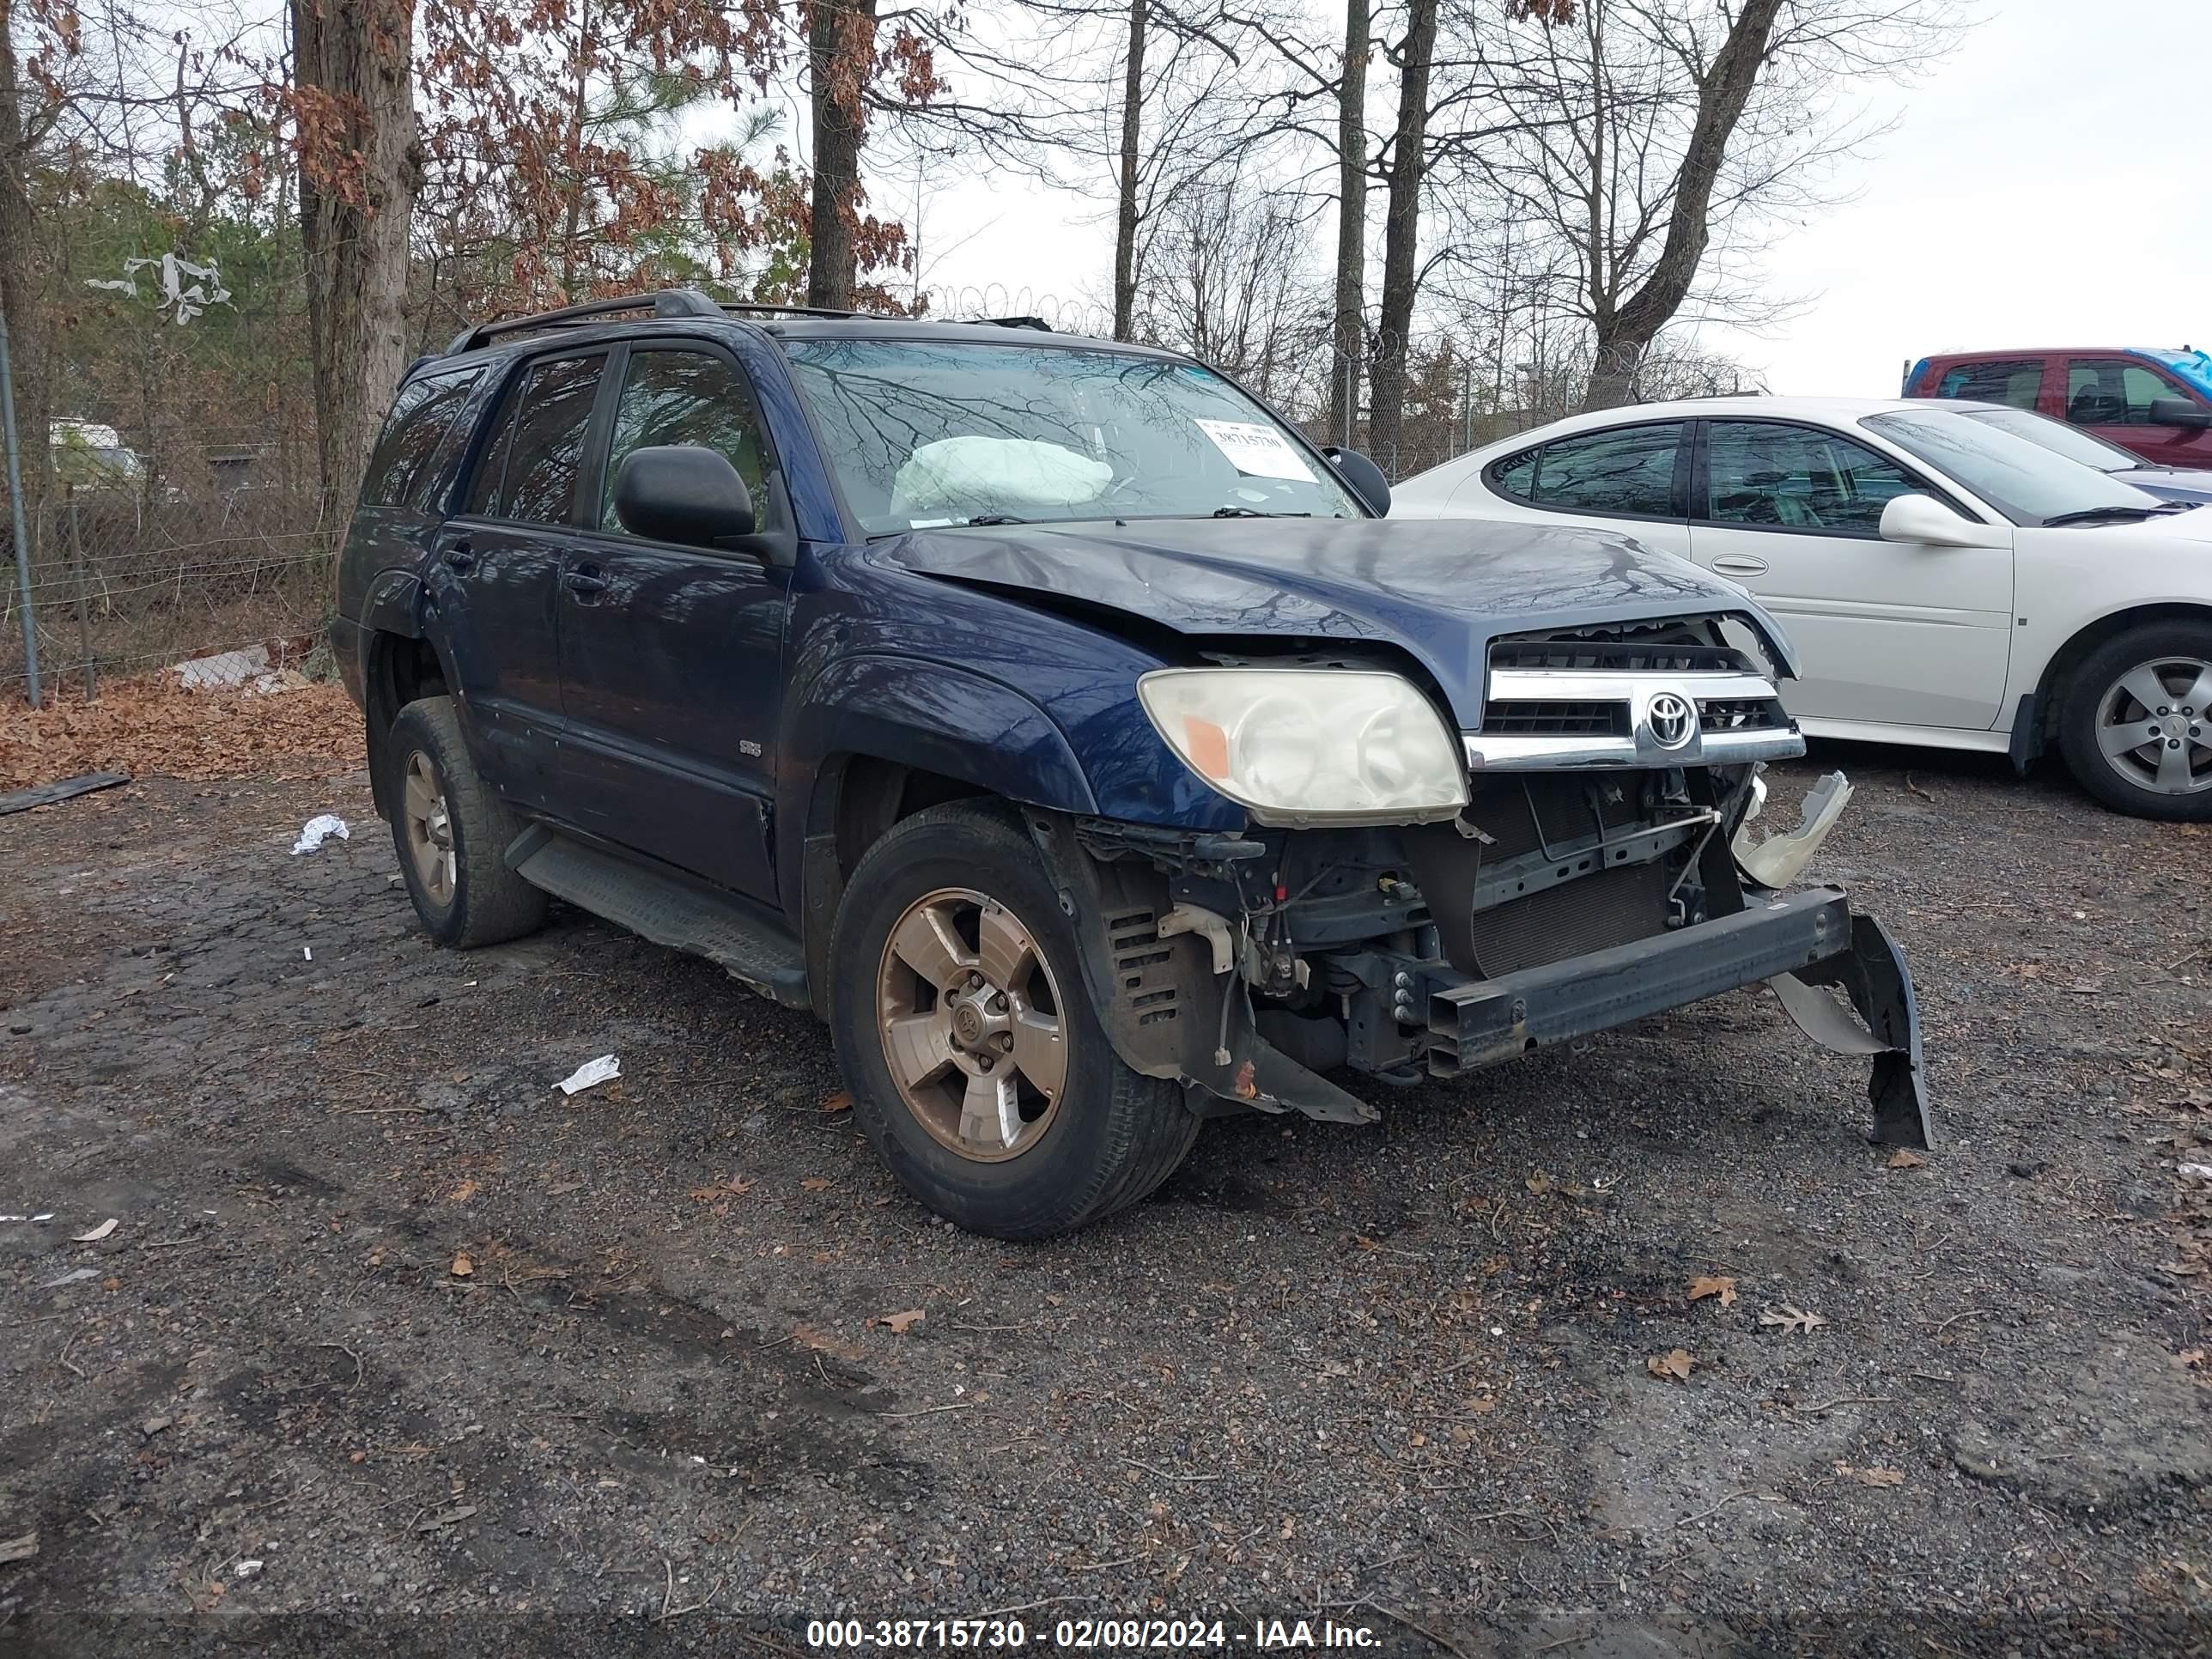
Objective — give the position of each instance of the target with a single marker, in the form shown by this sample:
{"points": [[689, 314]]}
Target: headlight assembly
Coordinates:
{"points": [[1310, 746]]}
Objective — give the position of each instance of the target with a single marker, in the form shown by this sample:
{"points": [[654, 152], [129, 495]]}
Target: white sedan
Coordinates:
{"points": [[1945, 582]]}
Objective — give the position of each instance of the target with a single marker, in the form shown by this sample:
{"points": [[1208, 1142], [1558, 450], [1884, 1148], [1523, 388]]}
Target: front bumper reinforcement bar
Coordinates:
{"points": [[1801, 941]]}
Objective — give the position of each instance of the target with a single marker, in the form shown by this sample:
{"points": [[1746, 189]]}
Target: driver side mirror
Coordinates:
{"points": [[2179, 412], [682, 493], [1926, 521], [1362, 476]]}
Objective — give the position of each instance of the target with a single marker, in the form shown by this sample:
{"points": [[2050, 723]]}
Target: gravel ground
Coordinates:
{"points": [[390, 1337]]}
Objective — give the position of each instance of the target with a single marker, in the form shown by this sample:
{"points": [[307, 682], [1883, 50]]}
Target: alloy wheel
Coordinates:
{"points": [[971, 1020], [2154, 725], [429, 828]]}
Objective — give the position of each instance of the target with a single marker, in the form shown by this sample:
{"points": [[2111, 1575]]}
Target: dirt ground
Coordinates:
{"points": [[390, 1346]]}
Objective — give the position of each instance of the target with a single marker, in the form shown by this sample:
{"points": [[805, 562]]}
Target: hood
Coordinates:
{"points": [[1440, 590], [2170, 483]]}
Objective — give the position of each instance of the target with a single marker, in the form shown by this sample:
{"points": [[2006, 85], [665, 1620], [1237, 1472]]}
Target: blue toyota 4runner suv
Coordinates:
{"points": [[1052, 720]]}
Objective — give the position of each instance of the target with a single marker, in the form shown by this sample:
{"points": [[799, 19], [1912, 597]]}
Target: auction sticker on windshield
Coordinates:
{"points": [[1256, 451]]}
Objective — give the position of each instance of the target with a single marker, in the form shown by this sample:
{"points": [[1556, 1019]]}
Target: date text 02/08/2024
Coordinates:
{"points": [[1088, 1634]]}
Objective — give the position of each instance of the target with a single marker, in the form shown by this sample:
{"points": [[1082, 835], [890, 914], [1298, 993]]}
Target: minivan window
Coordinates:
{"points": [[530, 470], [685, 398], [1795, 477], [1629, 469], [2025, 482], [411, 454]]}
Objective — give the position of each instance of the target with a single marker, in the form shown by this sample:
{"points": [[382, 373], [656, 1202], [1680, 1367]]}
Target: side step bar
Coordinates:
{"points": [[667, 908]]}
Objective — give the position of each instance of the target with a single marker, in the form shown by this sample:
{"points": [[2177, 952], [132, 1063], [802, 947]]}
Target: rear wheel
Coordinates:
{"points": [[977, 1066], [2136, 727], [451, 833]]}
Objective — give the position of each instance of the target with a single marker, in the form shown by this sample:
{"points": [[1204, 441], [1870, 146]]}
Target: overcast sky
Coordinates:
{"points": [[2045, 186]]}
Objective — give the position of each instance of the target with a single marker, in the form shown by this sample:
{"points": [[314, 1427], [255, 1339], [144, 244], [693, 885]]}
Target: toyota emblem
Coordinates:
{"points": [[1673, 720]]}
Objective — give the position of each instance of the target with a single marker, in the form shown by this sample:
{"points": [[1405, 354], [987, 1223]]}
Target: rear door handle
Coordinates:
{"points": [[586, 580], [1740, 564], [460, 558]]}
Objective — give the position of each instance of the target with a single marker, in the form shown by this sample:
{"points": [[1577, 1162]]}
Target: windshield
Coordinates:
{"points": [[924, 433], [2024, 481], [2192, 366], [2059, 438]]}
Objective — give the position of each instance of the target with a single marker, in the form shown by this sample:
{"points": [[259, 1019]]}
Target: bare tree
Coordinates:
{"points": [[1350, 288], [1415, 55], [353, 97], [1653, 143]]}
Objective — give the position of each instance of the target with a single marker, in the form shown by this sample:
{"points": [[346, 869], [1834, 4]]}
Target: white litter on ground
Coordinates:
{"points": [[318, 829], [223, 671], [98, 1233], [592, 1072], [2201, 1171]]}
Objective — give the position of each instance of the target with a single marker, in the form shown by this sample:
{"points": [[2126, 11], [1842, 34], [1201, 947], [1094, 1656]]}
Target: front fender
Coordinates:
{"points": [[940, 718]]}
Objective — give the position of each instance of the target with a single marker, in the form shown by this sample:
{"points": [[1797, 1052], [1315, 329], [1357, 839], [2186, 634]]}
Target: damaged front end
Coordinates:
{"points": [[1600, 872]]}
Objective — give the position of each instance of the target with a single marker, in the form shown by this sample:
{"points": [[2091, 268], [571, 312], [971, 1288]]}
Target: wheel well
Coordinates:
{"points": [[398, 670], [2059, 676], [873, 794]]}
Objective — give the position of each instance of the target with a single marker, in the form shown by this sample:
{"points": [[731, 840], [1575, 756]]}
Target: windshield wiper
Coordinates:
{"points": [[995, 518], [1254, 512], [2098, 514]]}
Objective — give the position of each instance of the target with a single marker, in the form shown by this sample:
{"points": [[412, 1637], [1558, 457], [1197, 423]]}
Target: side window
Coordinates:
{"points": [[1516, 476], [417, 441], [2113, 392], [1630, 470], [685, 398], [1792, 478], [529, 470], [2015, 380]]}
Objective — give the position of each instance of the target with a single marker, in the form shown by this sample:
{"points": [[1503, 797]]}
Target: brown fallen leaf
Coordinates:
{"points": [[902, 1322], [1903, 1159], [1871, 1477], [1675, 1365], [1792, 1319], [840, 1101], [2192, 1358], [467, 1190], [462, 1266], [1707, 1284], [19, 1549], [814, 1183], [1539, 1183], [564, 1188]]}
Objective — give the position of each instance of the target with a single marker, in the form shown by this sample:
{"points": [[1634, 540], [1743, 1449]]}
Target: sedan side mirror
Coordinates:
{"points": [[1364, 477], [2179, 412], [1926, 521], [682, 493]]}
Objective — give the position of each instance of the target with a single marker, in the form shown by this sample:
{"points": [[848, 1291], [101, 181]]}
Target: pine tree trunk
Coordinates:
{"points": [[1125, 224], [357, 54], [1351, 226], [840, 43], [1401, 230]]}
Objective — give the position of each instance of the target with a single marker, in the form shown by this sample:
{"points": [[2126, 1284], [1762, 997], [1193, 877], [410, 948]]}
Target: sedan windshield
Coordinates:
{"points": [[2059, 438], [2024, 481], [927, 433]]}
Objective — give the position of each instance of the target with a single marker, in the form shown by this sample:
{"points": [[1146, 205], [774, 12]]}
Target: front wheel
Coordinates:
{"points": [[2136, 727], [977, 1066], [451, 833]]}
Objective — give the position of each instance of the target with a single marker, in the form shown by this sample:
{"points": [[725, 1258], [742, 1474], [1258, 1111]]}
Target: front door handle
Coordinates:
{"points": [[1740, 564], [460, 558], [585, 581]]}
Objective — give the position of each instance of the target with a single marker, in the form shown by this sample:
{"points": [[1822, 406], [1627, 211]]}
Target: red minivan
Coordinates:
{"points": [[2156, 403]]}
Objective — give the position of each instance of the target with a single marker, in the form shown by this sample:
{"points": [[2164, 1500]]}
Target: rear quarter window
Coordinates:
{"points": [[420, 437]]}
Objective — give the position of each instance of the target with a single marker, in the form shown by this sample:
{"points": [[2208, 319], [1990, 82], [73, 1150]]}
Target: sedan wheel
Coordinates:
{"points": [[970, 1016], [2154, 725]]}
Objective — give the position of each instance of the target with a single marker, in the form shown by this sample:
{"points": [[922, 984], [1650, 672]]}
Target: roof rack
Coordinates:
{"points": [[1037, 322], [669, 302]]}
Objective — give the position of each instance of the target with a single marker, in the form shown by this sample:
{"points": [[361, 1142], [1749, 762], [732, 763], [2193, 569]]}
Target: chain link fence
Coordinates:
{"points": [[173, 512]]}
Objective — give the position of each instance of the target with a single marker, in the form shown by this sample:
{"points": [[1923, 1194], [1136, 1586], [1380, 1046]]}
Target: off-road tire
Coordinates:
{"points": [[490, 903], [2097, 674], [1114, 1135]]}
